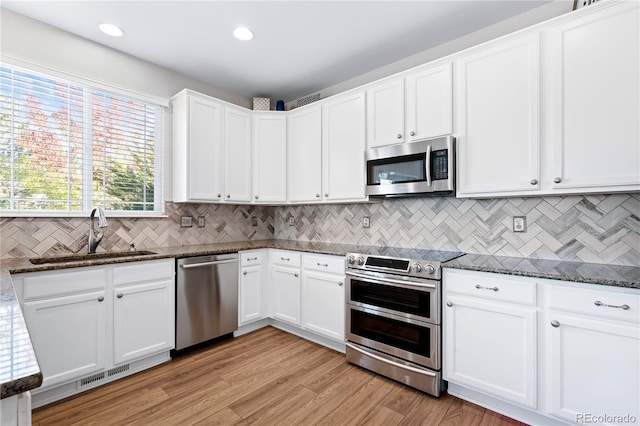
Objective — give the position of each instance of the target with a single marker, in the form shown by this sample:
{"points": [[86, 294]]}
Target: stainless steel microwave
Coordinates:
{"points": [[412, 169]]}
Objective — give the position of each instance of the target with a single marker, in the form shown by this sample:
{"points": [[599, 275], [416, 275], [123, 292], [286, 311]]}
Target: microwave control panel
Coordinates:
{"points": [[440, 164]]}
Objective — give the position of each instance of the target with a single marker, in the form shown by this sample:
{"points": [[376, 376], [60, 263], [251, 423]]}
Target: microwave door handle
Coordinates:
{"points": [[427, 167]]}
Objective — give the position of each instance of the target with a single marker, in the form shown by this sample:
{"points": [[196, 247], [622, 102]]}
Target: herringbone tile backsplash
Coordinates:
{"points": [[26, 237], [594, 228], [599, 228]]}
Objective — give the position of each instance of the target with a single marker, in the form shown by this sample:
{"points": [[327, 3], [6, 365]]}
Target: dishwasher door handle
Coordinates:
{"points": [[215, 262]]}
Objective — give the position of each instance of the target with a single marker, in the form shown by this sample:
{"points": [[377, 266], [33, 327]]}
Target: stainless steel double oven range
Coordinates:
{"points": [[393, 315]]}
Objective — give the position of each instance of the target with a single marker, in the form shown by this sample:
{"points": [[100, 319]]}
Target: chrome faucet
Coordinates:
{"points": [[94, 239]]}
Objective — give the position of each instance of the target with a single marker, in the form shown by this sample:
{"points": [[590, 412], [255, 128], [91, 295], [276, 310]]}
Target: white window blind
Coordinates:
{"points": [[66, 147]]}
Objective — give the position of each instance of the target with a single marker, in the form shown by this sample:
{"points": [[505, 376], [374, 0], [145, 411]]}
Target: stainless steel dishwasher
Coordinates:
{"points": [[206, 298]]}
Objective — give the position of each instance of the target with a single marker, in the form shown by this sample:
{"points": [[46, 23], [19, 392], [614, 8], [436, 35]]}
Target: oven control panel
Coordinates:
{"points": [[396, 266]]}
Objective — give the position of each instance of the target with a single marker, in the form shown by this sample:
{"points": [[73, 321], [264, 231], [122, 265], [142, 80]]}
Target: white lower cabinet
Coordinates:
{"points": [[323, 303], [286, 294], [250, 287], [489, 340], [91, 325], [543, 351], [68, 335], [592, 344]]}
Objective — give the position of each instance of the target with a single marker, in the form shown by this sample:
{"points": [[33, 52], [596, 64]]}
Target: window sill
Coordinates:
{"points": [[85, 215]]}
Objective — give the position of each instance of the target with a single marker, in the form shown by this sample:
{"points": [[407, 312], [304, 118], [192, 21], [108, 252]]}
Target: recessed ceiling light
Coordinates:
{"points": [[243, 33], [110, 29]]}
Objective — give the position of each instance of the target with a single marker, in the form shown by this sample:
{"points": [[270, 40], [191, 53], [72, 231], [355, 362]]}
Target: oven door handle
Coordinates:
{"points": [[390, 280], [386, 361]]}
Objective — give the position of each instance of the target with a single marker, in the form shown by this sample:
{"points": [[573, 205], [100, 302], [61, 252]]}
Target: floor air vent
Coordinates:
{"points": [[118, 370], [91, 379], [307, 100]]}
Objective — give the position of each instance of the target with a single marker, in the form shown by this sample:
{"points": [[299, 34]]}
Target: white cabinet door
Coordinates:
{"points": [[323, 304], [497, 118], [143, 319], [68, 335], [343, 145], [304, 150], [491, 347], [596, 100], [197, 149], [250, 294], [270, 157], [385, 113], [285, 296], [237, 154], [429, 93], [594, 369]]}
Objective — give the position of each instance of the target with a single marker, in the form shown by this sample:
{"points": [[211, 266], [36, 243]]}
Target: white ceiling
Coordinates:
{"points": [[300, 47]]}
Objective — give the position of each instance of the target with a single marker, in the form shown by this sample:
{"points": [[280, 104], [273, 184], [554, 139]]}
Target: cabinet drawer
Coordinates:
{"points": [[329, 264], [151, 270], [249, 258], [594, 302], [59, 283], [490, 286], [288, 258]]}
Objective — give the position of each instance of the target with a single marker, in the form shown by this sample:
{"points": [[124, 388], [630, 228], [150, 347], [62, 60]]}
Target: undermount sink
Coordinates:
{"points": [[87, 256]]}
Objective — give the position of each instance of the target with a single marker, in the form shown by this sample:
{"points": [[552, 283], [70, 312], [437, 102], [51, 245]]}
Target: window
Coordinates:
{"points": [[66, 147]]}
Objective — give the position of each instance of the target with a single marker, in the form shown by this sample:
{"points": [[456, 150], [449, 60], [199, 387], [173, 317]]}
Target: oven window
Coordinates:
{"points": [[398, 299], [408, 168], [409, 337]]}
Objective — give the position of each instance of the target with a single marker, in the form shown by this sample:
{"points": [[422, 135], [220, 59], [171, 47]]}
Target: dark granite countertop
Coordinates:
{"points": [[592, 273], [19, 370]]}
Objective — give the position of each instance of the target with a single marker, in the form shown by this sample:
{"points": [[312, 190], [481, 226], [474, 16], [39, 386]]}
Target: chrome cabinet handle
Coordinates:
{"points": [[100, 299], [256, 197], [326, 265], [286, 259], [228, 195], [340, 283], [557, 179], [326, 194], [479, 287], [295, 275], [412, 133], [534, 181], [119, 295], [219, 195], [449, 304], [555, 324], [399, 136], [599, 303], [252, 258], [244, 273], [317, 195]]}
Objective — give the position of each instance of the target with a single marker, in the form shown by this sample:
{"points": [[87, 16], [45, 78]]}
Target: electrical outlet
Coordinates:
{"points": [[292, 220], [254, 221], [185, 221], [366, 222], [200, 221], [519, 224]]}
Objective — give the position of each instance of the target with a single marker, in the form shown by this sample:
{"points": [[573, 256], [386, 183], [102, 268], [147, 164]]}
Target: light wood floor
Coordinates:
{"points": [[267, 377]]}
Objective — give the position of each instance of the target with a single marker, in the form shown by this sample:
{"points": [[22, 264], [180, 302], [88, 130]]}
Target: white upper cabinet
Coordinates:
{"points": [[497, 117], [343, 145], [594, 100], [197, 148], [304, 149], [237, 154], [429, 104], [385, 113], [270, 157]]}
